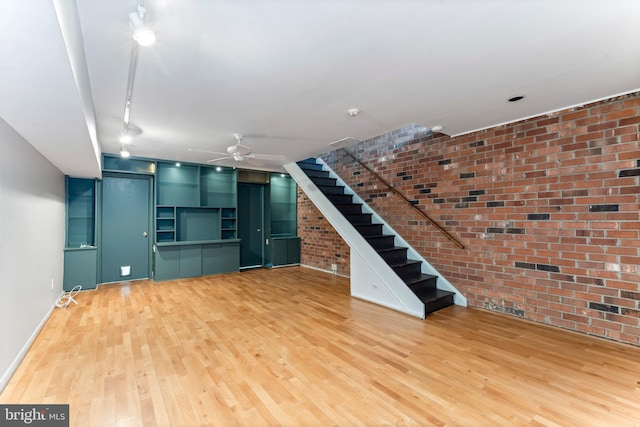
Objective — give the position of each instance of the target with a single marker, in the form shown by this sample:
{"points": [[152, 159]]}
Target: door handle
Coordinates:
{"points": [[144, 234]]}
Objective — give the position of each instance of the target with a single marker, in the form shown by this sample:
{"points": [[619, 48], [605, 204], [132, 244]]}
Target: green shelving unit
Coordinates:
{"points": [[284, 214], [165, 224], [218, 187], [81, 215], [177, 185], [228, 224], [195, 221], [285, 245], [80, 253]]}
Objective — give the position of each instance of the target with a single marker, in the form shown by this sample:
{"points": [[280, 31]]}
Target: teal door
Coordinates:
{"points": [[251, 224], [125, 227]]}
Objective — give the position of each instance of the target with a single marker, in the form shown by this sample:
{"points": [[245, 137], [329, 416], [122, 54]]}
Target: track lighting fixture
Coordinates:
{"points": [[141, 33]]}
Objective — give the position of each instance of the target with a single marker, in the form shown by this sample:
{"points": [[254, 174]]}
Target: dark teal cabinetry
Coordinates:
{"points": [[283, 204], [81, 212], [218, 187], [285, 245], [220, 257], [80, 254], [177, 261], [80, 268], [177, 185], [286, 251], [195, 224], [195, 203], [165, 224], [167, 263]]}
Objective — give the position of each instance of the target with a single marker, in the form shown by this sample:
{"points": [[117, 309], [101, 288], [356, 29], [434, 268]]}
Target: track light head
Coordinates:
{"points": [[141, 33]]}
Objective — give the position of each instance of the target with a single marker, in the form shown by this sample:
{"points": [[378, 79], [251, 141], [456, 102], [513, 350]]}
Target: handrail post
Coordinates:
{"points": [[396, 192]]}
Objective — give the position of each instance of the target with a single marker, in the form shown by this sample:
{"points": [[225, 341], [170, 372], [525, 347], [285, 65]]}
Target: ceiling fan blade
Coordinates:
{"points": [[221, 158], [267, 156], [205, 151]]}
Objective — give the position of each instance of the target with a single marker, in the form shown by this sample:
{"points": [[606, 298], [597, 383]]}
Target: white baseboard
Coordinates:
{"points": [[325, 271], [6, 376]]}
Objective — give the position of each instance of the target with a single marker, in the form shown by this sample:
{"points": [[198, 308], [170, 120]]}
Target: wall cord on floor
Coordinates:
{"points": [[67, 298]]}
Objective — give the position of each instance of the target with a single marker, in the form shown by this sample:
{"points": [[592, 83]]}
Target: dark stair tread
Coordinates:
{"points": [[358, 218], [403, 263], [418, 279], [324, 181], [311, 160], [344, 198], [434, 294], [349, 208], [379, 237], [310, 166], [331, 189], [374, 225], [317, 173], [395, 248], [367, 230]]}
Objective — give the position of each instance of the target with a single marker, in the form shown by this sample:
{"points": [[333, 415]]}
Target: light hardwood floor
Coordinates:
{"points": [[290, 347]]}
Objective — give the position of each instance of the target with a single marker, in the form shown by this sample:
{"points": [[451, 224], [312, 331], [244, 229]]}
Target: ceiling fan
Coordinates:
{"points": [[239, 152]]}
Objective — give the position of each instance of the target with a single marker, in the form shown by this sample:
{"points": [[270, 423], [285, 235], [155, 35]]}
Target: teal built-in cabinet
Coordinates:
{"points": [[80, 253], [195, 221], [284, 245], [195, 230]]}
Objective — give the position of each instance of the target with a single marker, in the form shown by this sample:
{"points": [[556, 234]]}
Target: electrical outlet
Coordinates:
{"points": [[334, 267]]}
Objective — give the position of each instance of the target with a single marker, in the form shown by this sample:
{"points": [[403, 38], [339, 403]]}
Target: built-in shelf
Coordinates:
{"points": [[195, 203]]}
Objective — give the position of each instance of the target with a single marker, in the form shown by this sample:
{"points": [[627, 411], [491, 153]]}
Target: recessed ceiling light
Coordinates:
{"points": [[353, 112], [516, 98], [437, 128]]}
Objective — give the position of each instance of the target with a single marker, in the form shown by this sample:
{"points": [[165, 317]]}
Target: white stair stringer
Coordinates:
{"points": [[371, 277]]}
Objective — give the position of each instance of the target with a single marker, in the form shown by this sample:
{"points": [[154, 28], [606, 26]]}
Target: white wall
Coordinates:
{"points": [[32, 215]]}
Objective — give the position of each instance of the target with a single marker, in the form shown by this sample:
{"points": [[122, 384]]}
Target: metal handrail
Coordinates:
{"points": [[399, 194]]}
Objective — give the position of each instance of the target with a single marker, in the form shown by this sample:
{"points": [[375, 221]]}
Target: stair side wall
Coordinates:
{"points": [[372, 272]]}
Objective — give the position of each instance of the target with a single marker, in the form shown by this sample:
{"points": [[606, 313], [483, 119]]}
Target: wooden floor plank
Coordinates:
{"points": [[290, 347]]}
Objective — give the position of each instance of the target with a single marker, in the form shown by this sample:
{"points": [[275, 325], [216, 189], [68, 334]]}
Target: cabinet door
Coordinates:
{"points": [[80, 268], [190, 261], [279, 251], [167, 263], [220, 258], [293, 250]]}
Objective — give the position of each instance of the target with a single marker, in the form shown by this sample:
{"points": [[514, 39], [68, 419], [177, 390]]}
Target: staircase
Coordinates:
{"points": [[408, 270]]}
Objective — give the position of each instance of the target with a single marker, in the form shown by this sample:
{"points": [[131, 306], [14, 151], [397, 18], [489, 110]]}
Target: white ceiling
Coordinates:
{"points": [[285, 72]]}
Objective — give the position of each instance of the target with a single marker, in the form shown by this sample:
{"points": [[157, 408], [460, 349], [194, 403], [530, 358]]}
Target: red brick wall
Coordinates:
{"points": [[547, 208], [321, 245]]}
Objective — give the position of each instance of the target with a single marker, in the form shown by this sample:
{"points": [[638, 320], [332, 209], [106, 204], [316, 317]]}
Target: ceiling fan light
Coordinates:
{"points": [[124, 153], [125, 138]]}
